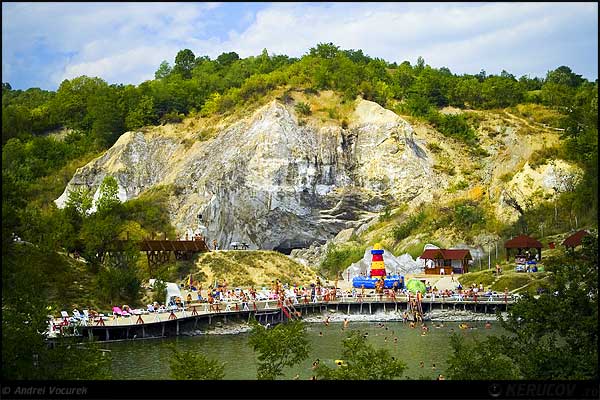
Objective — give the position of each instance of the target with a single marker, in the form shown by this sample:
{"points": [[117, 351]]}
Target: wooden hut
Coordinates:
{"points": [[449, 260], [523, 244], [575, 239]]}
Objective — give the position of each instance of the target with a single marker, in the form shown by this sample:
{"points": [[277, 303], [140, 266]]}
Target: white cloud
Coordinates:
{"points": [[125, 42]]}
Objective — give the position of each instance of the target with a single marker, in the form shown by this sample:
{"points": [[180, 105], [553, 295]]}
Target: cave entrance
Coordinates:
{"points": [[285, 249], [288, 245]]}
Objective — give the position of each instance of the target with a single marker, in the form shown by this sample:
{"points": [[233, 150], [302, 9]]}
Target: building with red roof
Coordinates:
{"points": [[575, 239], [523, 244], [449, 260]]}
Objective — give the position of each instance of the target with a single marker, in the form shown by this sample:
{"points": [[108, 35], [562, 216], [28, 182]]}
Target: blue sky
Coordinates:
{"points": [[45, 43]]}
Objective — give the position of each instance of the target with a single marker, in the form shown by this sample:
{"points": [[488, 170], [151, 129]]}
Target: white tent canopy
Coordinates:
{"points": [[172, 291]]}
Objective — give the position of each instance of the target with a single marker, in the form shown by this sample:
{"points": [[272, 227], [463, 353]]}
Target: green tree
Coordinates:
{"points": [[542, 343], [283, 346], [226, 59], [191, 365], [80, 200], [340, 257], [71, 101], [163, 71], [324, 50], [564, 76], [143, 114], [184, 63], [27, 279], [106, 115], [108, 194], [362, 361], [479, 360]]}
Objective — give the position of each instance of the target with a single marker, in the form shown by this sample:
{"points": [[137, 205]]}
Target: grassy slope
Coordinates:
{"points": [[251, 268]]}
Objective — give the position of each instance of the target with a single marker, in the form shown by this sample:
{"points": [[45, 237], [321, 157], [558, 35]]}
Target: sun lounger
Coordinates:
{"points": [[120, 313], [78, 316], [66, 318]]}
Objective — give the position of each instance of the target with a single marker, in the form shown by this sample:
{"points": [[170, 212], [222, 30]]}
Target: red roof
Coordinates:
{"points": [[523, 242], [575, 239], [446, 254]]}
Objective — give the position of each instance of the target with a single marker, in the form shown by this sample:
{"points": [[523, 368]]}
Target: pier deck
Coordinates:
{"points": [[198, 314]]}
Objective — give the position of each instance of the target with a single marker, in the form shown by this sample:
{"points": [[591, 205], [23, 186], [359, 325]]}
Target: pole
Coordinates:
{"points": [[489, 257]]}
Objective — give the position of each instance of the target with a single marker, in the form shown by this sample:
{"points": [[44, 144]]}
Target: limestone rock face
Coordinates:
{"points": [[531, 185], [269, 181]]}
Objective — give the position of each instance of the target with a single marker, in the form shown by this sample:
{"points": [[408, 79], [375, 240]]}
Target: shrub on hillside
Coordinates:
{"points": [[339, 258], [403, 230], [541, 156], [455, 126], [302, 108]]}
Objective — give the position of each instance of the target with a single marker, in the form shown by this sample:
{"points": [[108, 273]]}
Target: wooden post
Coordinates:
{"points": [[143, 332], [370, 308], [177, 328], [163, 329], [107, 335]]}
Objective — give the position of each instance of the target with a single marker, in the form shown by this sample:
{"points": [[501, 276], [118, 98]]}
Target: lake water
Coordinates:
{"points": [[149, 359]]}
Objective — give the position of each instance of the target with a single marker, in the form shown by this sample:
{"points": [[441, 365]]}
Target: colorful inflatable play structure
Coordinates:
{"points": [[377, 273]]}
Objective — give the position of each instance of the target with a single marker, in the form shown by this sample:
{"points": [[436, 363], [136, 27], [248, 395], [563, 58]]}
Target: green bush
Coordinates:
{"points": [[403, 230], [302, 108], [171, 117], [434, 147], [119, 285], [467, 215], [455, 126], [417, 106], [333, 113], [541, 156], [159, 292], [339, 258]]}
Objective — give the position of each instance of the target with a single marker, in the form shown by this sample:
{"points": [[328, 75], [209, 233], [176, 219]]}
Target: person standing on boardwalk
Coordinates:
{"points": [[452, 275]]}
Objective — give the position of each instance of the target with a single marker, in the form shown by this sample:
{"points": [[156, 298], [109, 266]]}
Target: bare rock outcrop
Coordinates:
{"points": [[269, 181]]}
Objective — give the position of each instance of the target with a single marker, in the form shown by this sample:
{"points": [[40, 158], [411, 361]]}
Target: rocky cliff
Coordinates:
{"points": [[278, 180], [270, 180]]}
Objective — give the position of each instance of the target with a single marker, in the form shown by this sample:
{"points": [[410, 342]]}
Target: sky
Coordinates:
{"points": [[46, 43]]}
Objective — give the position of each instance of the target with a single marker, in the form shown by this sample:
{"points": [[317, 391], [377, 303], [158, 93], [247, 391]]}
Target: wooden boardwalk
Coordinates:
{"points": [[173, 323]]}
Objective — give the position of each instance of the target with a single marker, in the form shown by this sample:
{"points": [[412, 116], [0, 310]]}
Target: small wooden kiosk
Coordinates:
{"points": [[449, 260], [522, 243]]}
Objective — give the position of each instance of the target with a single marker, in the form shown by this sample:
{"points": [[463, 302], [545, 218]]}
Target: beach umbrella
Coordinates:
{"points": [[415, 285]]}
